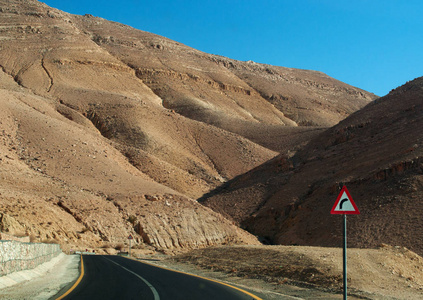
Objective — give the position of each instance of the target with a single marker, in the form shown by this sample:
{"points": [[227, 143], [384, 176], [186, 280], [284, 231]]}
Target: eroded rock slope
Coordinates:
{"points": [[109, 131]]}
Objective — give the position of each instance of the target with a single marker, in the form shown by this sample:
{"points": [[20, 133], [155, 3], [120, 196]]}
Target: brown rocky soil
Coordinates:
{"points": [[383, 273], [108, 131]]}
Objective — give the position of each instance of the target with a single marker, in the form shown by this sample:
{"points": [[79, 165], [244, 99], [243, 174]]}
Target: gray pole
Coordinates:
{"points": [[129, 248], [345, 256]]}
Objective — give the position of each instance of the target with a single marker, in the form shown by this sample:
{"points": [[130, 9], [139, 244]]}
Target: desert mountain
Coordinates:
{"points": [[377, 152], [109, 131], [260, 102]]}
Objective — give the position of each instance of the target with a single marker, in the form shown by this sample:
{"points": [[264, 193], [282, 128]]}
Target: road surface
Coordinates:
{"points": [[115, 277]]}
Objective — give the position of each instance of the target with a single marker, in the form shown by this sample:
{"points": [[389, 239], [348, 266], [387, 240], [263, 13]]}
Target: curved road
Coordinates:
{"points": [[115, 277]]}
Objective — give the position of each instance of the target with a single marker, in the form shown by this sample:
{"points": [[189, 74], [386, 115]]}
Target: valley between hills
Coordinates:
{"points": [[108, 131]]}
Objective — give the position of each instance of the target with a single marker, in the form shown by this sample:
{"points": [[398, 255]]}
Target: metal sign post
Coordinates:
{"points": [[344, 254], [344, 205]]}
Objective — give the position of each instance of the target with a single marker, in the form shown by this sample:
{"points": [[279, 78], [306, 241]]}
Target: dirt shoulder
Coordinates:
{"points": [[310, 272], [42, 282]]}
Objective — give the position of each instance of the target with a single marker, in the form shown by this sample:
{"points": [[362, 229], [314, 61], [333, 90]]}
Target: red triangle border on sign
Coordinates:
{"points": [[352, 212]]}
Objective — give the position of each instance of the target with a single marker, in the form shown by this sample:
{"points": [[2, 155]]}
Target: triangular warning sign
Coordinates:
{"points": [[344, 204]]}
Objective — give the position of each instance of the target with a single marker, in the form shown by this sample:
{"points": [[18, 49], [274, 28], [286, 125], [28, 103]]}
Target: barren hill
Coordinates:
{"points": [[377, 152], [246, 98], [109, 131]]}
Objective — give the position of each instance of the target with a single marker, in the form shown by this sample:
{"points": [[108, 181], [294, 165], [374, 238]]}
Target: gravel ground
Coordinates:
{"points": [[43, 282]]}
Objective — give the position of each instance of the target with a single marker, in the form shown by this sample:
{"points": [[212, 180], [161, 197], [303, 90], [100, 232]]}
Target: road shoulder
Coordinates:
{"points": [[43, 282]]}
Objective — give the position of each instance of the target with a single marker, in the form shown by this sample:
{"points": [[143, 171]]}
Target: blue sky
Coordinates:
{"points": [[371, 44]]}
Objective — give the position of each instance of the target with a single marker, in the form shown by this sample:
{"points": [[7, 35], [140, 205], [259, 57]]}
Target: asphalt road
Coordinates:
{"points": [[115, 277]]}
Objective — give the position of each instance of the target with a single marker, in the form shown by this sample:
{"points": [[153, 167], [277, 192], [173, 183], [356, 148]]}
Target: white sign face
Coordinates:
{"points": [[344, 204]]}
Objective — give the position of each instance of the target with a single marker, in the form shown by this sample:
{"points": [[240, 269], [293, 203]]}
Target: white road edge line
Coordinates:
{"points": [[155, 293]]}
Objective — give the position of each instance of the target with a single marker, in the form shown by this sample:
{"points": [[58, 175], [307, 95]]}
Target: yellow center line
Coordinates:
{"points": [[76, 283], [209, 279], [205, 278]]}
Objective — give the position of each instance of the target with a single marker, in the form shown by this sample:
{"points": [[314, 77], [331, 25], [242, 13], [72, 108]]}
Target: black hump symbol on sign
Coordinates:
{"points": [[342, 202]]}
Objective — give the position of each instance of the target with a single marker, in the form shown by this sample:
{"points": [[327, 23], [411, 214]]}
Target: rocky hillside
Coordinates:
{"points": [[108, 131], [377, 152], [259, 102]]}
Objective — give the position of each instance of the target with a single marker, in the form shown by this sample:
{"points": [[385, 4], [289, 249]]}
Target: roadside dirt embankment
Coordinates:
{"points": [[384, 273]]}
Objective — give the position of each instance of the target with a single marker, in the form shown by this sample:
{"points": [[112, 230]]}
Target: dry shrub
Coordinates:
{"points": [[119, 247], [50, 241], [132, 219], [106, 245], [138, 246]]}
